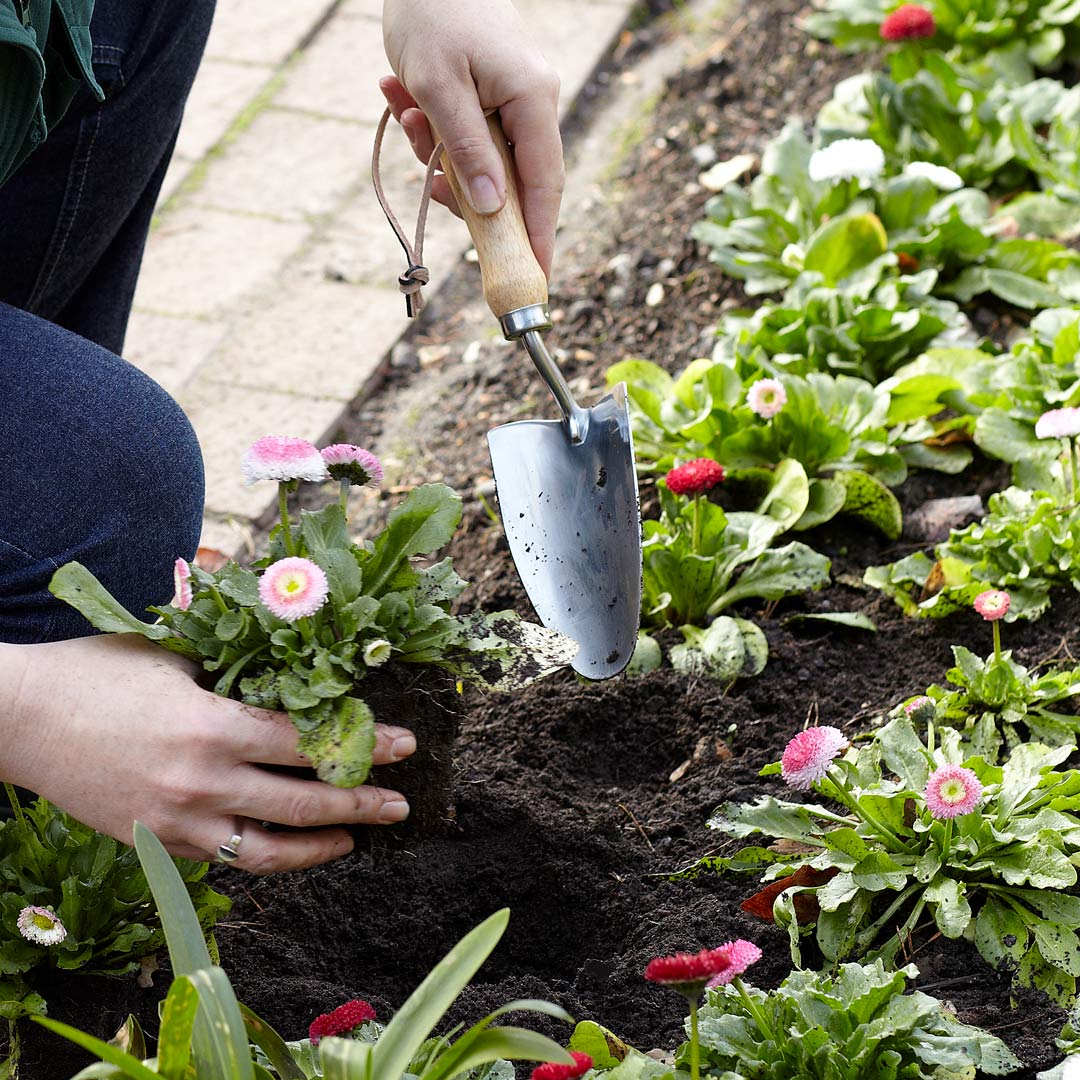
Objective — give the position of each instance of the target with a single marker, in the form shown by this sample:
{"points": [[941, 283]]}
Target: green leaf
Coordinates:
{"points": [[605, 1048], [854, 620], [177, 1024], [1000, 934], [424, 522], [414, 1021], [877, 871], [868, 499], [728, 649], [221, 1047], [340, 748], [128, 1065], [845, 244], [272, 1045], [75, 585], [777, 573], [345, 1059]]}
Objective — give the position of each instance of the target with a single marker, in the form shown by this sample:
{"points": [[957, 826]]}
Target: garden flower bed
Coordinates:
{"points": [[575, 804]]}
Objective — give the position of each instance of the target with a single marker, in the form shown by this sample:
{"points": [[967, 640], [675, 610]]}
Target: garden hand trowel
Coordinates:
{"points": [[567, 488]]}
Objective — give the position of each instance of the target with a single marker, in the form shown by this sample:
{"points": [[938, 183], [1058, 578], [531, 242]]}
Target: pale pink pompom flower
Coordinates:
{"points": [[182, 584], [766, 397], [993, 604], [741, 954], [293, 588], [808, 756], [952, 791], [352, 463], [1058, 424], [41, 926], [920, 709], [282, 458]]}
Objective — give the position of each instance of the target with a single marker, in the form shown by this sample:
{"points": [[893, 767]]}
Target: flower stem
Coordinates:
{"points": [[695, 543], [841, 795], [1072, 466], [946, 841], [286, 524], [695, 1053], [343, 497], [751, 1007], [997, 642]]}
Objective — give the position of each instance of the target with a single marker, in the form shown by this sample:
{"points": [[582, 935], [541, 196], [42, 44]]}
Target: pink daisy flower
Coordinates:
{"points": [[293, 588], [282, 458], [741, 954], [553, 1070], [688, 972], [182, 584], [952, 791], [808, 756], [41, 926], [907, 22], [920, 709], [695, 477], [343, 1020], [1058, 424], [351, 463], [766, 397], [992, 604]]}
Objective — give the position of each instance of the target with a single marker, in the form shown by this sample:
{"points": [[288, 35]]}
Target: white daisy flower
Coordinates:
{"points": [[847, 159]]}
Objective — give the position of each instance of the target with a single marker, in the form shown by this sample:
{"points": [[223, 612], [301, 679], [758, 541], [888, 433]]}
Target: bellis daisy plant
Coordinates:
{"points": [[41, 926], [301, 628], [555, 1070], [695, 478], [914, 828], [861, 160]]}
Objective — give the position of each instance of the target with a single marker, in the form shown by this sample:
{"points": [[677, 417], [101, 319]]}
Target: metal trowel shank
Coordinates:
{"points": [[570, 511]]}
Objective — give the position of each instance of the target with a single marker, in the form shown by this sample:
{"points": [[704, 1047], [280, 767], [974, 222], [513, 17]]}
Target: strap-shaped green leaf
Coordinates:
{"points": [[177, 1024], [415, 1020], [272, 1045], [491, 1044], [344, 1059], [219, 1041], [127, 1064]]}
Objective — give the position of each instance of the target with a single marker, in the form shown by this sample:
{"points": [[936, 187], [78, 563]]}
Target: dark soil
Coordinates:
{"points": [[566, 807]]}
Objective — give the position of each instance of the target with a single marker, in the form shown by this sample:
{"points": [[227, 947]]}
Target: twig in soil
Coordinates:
{"points": [[261, 910], [915, 952], [249, 927], [956, 981], [1017, 1023], [630, 814], [814, 712]]}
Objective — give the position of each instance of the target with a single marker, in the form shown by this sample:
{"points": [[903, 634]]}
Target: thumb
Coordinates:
{"points": [[461, 125]]}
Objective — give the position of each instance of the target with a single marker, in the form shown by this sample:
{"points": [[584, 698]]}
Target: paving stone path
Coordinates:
{"points": [[268, 297]]}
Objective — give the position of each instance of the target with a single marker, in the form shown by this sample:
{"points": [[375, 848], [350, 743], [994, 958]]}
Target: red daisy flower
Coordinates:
{"points": [[553, 1070], [689, 972], [695, 476], [907, 22], [341, 1021]]}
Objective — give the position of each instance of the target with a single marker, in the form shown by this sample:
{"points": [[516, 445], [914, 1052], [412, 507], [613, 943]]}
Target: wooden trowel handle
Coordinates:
{"points": [[511, 275]]}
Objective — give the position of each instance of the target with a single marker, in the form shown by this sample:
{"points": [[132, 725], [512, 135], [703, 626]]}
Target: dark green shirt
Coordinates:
{"points": [[45, 55]]}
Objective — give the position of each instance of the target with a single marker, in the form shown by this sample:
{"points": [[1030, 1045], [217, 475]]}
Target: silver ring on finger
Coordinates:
{"points": [[229, 852]]}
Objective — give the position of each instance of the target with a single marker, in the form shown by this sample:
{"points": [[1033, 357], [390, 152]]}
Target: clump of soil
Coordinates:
{"points": [[575, 802]]}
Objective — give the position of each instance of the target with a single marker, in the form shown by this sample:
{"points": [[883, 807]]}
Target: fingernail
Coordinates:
{"points": [[398, 810], [403, 746], [483, 195]]}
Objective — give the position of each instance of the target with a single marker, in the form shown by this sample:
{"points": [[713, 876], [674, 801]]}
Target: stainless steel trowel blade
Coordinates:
{"points": [[570, 511]]}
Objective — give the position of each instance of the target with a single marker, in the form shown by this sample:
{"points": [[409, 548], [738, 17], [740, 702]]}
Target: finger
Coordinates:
{"points": [[269, 738], [456, 115], [441, 193], [531, 123], [262, 852], [415, 125], [397, 97], [307, 804]]}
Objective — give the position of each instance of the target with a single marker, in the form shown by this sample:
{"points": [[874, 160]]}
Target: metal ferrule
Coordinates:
{"points": [[522, 320]]}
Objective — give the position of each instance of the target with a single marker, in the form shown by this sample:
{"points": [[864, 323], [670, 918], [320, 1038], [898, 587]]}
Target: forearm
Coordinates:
{"points": [[14, 733]]}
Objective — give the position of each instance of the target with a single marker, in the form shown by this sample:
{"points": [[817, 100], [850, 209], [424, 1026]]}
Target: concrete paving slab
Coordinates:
{"points": [[228, 419], [203, 262], [262, 32], [339, 72], [288, 166], [170, 349], [221, 92], [321, 338]]}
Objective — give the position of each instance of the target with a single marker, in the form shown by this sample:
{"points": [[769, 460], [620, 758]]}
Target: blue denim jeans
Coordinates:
{"points": [[97, 462]]}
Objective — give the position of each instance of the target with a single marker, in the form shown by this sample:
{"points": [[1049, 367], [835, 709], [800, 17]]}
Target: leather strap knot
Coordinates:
{"points": [[412, 281]]}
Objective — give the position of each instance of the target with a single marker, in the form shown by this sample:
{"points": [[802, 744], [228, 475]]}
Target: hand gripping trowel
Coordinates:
{"points": [[567, 488]]}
